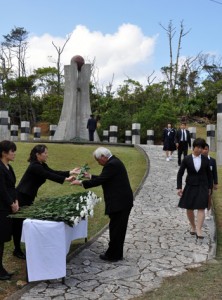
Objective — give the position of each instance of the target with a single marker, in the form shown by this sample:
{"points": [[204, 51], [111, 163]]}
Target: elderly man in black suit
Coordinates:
{"points": [[118, 198], [183, 140]]}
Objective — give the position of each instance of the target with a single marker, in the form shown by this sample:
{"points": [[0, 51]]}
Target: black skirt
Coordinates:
{"points": [[194, 197], [6, 227], [169, 145]]}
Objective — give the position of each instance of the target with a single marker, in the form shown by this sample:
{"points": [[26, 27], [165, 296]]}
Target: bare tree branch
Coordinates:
{"points": [[58, 61]]}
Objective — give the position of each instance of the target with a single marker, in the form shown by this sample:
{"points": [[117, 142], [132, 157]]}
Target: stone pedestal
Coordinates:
{"points": [[113, 134], [14, 133], [150, 137], [211, 140], [37, 133], [52, 130], [4, 131], [136, 133], [128, 137], [193, 131], [106, 136], [25, 131]]}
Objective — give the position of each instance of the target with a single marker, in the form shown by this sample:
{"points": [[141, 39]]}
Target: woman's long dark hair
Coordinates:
{"points": [[38, 149]]}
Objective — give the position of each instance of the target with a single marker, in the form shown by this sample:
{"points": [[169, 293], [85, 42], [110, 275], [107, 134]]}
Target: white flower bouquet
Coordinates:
{"points": [[70, 209]]}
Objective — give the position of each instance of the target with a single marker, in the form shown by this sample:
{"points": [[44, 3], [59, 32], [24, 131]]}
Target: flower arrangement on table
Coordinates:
{"points": [[70, 209]]}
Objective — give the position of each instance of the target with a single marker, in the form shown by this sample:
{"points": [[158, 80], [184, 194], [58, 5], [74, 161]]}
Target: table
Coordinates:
{"points": [[47, 243]]}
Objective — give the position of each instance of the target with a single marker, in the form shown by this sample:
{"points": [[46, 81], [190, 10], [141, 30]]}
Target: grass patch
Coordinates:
{"points": [[66, 157]]}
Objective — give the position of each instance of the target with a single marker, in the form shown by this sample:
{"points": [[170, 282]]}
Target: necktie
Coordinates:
{"points": [[183, 135]]}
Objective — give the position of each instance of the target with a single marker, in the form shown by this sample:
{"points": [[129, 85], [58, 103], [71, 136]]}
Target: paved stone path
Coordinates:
{"points": [[158, 244]]}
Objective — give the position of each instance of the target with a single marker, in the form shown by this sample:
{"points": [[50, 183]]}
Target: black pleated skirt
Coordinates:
{"points": [[194, 197]]}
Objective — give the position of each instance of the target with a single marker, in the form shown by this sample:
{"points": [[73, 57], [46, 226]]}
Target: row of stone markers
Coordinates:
{"points": [[8, 131], [133, 136], [11, 132]]}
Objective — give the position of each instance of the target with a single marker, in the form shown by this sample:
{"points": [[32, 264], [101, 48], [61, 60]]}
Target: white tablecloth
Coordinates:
{"points": [[47, 244]]}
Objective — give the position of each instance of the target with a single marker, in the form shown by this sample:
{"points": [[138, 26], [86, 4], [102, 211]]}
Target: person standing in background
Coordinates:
{"points": [[169, 145], [91, 126], [183, 141], [213, 167]]}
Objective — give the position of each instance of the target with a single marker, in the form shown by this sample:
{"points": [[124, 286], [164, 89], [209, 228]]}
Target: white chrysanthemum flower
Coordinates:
{"points": [[72, 219], [77, 206], [77, 220], [82, 213]]}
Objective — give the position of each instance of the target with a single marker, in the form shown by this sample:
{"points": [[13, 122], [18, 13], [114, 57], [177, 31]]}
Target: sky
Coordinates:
{"points": [[124, 38]]}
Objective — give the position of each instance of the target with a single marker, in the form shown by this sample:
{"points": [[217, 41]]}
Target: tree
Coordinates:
{"points": [[58, 63], [19, 94], [16, 43], [171, 71]]}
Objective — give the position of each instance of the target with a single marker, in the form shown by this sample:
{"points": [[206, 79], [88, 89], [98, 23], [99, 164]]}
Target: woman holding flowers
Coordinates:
{"points": [[36, 175]]}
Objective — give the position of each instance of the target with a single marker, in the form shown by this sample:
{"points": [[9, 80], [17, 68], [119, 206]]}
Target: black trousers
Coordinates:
{"points": [[182, 149], [17, 232], [117, 232], [91, 135]]}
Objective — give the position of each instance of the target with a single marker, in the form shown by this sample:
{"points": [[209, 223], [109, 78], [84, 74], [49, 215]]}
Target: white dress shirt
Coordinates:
{"points": [[183, 135], [197, 162]]}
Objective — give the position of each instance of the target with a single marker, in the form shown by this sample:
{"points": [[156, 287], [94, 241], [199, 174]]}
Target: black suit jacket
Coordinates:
{"points": [[202, 177], [7, 188], [178, 137], [35, 175], [91, 124], [118, 194], [213, 167]]}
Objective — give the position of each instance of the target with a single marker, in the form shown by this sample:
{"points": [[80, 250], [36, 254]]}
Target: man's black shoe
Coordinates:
{"points": [[19, 254], [5, 277], [105, 257]]}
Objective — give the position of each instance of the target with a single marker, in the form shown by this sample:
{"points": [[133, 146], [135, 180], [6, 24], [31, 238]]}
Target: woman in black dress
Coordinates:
{"points": [[198, 186], [169, 145], [8, 199], [36, 174]]}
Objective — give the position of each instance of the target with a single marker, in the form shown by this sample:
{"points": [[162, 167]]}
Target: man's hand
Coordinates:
{"points": [[76, 182]]}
